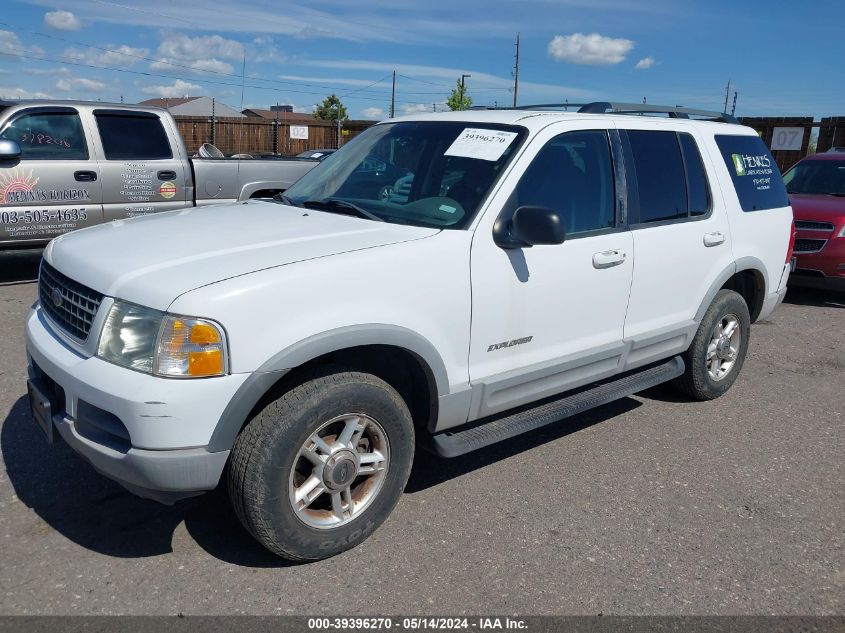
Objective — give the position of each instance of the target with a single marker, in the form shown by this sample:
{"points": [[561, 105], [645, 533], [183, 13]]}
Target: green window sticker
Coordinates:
{"points": [[739, 164]]}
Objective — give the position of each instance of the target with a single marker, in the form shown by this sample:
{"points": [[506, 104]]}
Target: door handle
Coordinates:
{"points": [[714, 239], [85, 176], [166, 174], [608, 259]]}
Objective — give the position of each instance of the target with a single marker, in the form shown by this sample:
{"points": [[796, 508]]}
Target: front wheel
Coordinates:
{"points": [[319, 469], [718, 350]]}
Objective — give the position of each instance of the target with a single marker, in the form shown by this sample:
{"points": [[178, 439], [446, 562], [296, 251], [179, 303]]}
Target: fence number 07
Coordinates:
{"points": [[787, 138]]}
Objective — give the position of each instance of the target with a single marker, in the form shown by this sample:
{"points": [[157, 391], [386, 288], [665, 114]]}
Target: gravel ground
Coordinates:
{"points": [[650, 505]]}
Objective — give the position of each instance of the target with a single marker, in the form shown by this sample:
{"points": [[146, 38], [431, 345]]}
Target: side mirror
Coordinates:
{"points": [[529, 226], [9, 150]]}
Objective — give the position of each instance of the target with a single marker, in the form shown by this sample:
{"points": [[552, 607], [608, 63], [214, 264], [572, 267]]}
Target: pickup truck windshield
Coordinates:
{"points": [[427, 173], [817, 176]]}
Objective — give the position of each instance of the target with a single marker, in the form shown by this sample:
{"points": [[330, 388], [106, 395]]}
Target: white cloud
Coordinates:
{"points": [[416, 108], [11, 44], [593, 49], [62, 21], [181, 46], [121, 56], [22, 93], [203, 53], [178, 88], [645, 63], [79, 83], [199, 65], [373, 113]]}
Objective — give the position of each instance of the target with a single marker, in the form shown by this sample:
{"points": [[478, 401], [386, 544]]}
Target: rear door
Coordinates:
{"points": [[141, 170], [682, 240], [54, 187]]}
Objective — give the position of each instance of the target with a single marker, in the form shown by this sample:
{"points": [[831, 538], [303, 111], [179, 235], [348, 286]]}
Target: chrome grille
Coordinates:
{"points": [[78, 306], [808, 246], [812, 225]]}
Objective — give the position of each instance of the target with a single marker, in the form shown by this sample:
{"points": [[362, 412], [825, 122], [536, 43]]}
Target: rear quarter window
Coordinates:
{"points": [[755, 175]]}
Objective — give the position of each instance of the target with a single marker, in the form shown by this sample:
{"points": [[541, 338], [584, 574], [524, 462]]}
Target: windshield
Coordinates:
{"points": [[817, 176], [428, 173]]}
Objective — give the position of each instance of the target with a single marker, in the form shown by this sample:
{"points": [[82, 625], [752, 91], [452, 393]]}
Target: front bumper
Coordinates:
{"points": [[148, 433], [825, 269]]}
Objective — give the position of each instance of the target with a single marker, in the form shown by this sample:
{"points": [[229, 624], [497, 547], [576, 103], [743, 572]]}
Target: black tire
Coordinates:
{"points": [[696, 380], [266, 448]]}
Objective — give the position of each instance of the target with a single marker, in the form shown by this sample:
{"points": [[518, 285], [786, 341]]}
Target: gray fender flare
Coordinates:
{"points": [[743, 263], [250, 393]]}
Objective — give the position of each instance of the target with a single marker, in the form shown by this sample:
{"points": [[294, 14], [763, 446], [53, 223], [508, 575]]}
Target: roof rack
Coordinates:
{"points": [[604, 107]]}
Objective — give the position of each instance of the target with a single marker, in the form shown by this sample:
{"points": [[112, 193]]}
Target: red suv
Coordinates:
{"points": [[816, 187]]}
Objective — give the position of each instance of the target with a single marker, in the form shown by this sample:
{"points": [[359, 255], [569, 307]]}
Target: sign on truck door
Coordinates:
{"points": [[54, 187], [141, 174]]}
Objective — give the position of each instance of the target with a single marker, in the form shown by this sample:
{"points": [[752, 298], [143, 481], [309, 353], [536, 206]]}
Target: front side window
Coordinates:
{"points": [[48, 136], [822, 176], [127, 137], [572, 174], [426, 173]]}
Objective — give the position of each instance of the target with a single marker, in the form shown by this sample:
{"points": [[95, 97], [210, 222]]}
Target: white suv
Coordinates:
{"points": [[447, 280]]}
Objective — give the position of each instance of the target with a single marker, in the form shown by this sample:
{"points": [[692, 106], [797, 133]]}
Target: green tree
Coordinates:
{"points": [[459, 99], [329, 109]]}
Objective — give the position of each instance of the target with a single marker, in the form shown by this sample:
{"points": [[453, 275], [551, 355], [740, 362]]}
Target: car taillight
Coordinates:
{"points": [[791, 242]]}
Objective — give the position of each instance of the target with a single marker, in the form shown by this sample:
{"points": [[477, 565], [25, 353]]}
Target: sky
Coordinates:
{"points": [[780, 57]]}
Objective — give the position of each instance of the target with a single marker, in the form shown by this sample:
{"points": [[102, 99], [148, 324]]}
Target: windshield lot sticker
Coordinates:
{"points": [[481, 144], [167, 190]]}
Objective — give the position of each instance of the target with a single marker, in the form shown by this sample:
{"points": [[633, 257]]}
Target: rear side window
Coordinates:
{"points": [[698, 193], [660, 175], [48, 136], [133, 137], [753, 171]]}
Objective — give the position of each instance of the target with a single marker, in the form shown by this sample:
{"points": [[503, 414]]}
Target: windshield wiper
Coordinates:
{"points": [[280, 197], [335, 205]]}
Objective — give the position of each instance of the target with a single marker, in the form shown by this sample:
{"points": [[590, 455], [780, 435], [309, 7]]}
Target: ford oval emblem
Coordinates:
{"points": [[57, 297]]}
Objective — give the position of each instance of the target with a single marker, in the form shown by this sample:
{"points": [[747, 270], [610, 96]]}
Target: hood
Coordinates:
{"points": [[810, 206], [153, 259]]}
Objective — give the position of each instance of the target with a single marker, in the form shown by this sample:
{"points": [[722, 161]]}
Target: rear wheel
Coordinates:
{"points": [[718, 350], [319, 469]]}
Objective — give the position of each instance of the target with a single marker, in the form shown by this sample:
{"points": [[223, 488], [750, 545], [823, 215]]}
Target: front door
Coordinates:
{"points": [[549, 318], [54, 187]]}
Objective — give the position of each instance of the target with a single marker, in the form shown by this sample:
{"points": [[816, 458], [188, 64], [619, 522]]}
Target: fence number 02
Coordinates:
{"points": [[788, 138]]}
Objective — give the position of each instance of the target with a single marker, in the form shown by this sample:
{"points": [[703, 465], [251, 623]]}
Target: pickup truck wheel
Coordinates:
{"points": [[319, 469], [718, 350]]}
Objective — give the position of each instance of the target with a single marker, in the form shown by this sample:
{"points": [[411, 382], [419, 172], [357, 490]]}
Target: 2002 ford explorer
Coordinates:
{"points": [[445, 281]]}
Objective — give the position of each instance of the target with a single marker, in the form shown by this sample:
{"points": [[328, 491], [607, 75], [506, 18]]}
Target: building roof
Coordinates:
{"points": [[283, 116], [167, 102]]}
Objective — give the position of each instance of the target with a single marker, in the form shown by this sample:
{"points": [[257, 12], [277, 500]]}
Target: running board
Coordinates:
{"points": [[459, 442]]}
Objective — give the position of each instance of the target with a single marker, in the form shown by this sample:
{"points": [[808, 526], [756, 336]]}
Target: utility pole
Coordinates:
{"points": [[516, 73], [463, 77], [727, 94], [733, 108], [393, 96]]}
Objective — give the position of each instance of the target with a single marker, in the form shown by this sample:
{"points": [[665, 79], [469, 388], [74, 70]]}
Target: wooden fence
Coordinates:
{"points": [[252, 135], [831, 134]]}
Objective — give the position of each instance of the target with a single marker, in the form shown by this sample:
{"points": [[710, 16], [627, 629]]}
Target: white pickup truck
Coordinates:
{"points": [[65, 165], [446, 280]]}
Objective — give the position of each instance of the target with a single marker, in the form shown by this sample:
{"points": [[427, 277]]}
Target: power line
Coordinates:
{"points": [[25, 55]]}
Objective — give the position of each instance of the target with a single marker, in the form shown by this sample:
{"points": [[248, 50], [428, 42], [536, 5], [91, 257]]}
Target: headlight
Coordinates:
{"points": [[842, 232], [157, 343]]}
